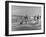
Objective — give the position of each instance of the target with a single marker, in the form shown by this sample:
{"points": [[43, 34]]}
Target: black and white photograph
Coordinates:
{"points": [[25, 17]]}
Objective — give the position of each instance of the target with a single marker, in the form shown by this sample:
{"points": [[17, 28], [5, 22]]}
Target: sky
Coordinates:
{"points": [[26, 10]]}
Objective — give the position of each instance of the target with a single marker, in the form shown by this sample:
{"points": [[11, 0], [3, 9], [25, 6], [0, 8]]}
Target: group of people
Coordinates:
{"points": [[27, 19], [32, 18]]}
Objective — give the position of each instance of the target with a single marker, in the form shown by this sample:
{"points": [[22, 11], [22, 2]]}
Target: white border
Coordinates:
{"points": [[24, 32]]}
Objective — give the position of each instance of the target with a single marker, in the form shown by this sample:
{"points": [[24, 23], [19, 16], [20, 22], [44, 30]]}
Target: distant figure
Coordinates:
{"points": [[26, 19], [35, 18], [21, 22]]}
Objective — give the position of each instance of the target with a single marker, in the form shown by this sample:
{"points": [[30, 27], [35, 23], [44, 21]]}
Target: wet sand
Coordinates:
{"points": [[25, 27]]}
